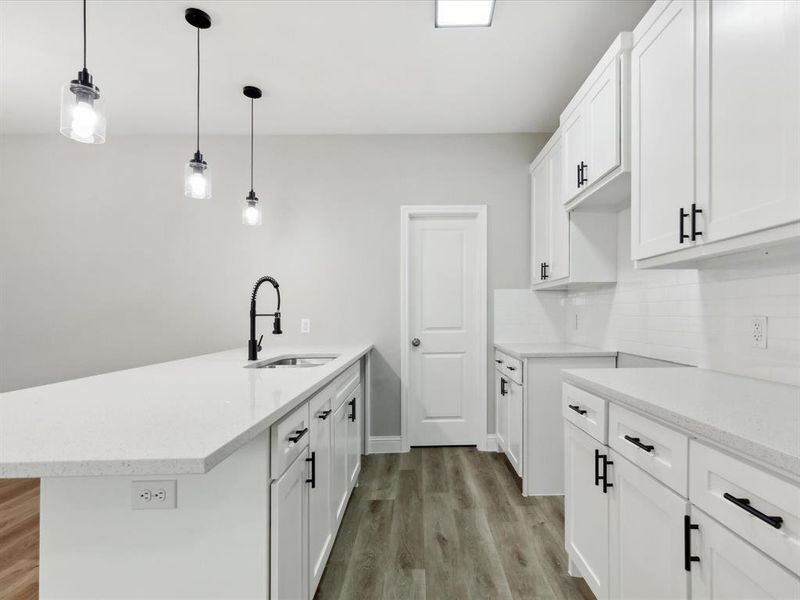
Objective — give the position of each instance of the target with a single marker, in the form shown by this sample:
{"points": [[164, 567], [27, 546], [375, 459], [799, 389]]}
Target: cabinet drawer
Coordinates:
{"points": [[345, 384], [288, 438], [659, 450], [585, 410], [754, 498], [509, 366]]}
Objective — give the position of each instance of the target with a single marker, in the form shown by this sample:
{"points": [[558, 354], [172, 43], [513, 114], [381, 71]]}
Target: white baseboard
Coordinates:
{"points": [[384, 444], [491, 443]]}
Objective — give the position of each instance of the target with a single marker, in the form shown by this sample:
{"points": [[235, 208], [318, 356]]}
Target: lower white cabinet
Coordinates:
{"points": [[732, 569], [501, 411], [354, 437], [339, 470], [289, 532], [586, 508], [515, 421], [320, 515], [646, 535]]}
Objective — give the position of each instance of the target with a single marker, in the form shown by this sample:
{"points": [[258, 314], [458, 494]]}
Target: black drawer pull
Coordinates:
{"points": [[688, 559], [577, 409], [324, 414], [510, 368], [584, 180], [498, 361], [297, 435], [503, 384], [313, 461], [744, 504], [682, 236], [579, 175], [352, 404], [638, 442], [695, 212]]}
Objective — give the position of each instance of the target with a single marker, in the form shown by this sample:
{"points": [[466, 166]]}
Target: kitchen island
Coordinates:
{"points": [[235, 449]]}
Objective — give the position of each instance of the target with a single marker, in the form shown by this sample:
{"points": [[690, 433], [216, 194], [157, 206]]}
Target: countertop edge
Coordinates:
{"points": [[553, 354], [775, 459]]}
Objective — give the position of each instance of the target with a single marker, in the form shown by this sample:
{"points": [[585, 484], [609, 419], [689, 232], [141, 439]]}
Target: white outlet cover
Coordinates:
{"points": [[305, 325], [154, 495], [758, 332]]}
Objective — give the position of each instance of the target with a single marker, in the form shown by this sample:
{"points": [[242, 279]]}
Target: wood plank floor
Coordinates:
{"points": [[442, 523], [19, 539]]}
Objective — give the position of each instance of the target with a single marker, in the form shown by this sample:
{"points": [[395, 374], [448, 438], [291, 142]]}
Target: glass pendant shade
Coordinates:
{"points": [[251, 211], [197, 179], [83, 116]]}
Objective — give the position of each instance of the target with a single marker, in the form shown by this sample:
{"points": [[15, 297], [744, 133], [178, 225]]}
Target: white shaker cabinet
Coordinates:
{"points": [[663, 128], [339, 471], [731, 569], [501, 410], [586, 508], [715, 130], [353, 437], [574, 159], [320, 515], [646, 536], [289, 532], [515, 421]]}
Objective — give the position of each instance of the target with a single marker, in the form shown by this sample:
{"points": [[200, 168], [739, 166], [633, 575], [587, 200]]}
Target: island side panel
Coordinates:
{"points": [[215, 544]]}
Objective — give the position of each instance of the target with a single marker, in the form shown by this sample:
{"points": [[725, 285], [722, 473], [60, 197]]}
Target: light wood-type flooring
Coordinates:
{"points": [[447, 523]]}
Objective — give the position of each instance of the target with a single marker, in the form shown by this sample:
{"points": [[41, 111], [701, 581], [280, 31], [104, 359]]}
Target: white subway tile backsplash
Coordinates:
{"points": [[698, 317], [522, 316]]}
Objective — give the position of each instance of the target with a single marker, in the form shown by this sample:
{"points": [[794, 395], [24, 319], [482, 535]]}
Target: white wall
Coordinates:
{"points": [[105, 265], [698, 317], [522, 316]]}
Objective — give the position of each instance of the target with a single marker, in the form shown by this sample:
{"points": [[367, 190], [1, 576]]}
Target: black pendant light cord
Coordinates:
{"points": [[251, 145], [84, 35], [198, 89]]}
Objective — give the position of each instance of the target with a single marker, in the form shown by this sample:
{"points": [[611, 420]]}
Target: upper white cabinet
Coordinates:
{"points": [[567, 249], [595, 125], [715, 129]]}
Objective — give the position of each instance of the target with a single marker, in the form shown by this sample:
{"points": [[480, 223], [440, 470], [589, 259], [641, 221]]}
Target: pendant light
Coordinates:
{"points": [[82, 117], [197, 179], [251, 211]]}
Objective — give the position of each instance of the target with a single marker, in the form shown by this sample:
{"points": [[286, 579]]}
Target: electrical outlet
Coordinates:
{"points": [[576, 320], [758, 332], [305, 325], [147, 495]]}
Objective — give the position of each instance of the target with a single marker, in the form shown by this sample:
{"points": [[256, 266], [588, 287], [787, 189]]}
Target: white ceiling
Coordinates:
{"points": [[357, 66]]}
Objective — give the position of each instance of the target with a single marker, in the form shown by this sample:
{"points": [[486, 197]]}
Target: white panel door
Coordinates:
{"points": [[339, 485], [731, 569], [289, 533], [646, 535], [514, 445], [754, 59], [540, 219], [663, 131], [443, 314], [558, 239], [501, 414], [603, 113], [573, 143], [320, 515], [354, 437], [586, 509]]}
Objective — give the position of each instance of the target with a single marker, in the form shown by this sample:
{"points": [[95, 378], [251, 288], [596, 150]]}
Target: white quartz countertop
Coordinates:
{"points": [[178, 417], [756, 418], [533, 350]]}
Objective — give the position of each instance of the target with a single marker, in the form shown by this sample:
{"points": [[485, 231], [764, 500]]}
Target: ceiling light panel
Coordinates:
{"points": [[464, 13]]}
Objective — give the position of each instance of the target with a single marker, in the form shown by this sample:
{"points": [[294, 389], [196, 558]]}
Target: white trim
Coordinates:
{"points": [[385, 444], [478, 211], [491, 443]]}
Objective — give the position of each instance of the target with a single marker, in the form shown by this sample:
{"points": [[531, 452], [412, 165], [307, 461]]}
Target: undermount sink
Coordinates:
{"points": [[299, 361]]}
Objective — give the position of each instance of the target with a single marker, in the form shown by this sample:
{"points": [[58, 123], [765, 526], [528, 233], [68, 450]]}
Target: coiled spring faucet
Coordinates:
{"points": [[254, 346]]}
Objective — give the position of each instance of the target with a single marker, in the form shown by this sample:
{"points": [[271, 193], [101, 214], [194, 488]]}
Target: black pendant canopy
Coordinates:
{"points": [[198, 18]]}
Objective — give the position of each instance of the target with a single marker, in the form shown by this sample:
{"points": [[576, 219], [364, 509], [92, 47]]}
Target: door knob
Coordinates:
{"points": [[415, 342]]}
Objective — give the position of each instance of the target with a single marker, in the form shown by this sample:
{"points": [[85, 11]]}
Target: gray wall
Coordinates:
{"points": [[105, 265]]}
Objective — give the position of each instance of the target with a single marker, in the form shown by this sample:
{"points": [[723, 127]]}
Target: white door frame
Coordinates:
{"points": [[478, 211]]}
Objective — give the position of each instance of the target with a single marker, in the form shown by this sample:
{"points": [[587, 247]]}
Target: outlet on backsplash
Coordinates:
{"points": [[758, 330]]}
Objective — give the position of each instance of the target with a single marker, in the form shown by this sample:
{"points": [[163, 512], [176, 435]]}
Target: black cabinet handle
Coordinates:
{"points": [[510, 368], [298, 434], [695, 212], [313, 461], [584, 180], [352, 403], [544, 271], [324, 414], [681, 235], [498, 361], [606, 462], [688, 559], [596, 469], [744, 504], [638, 442], [577, 409], [579, 175], [503, 384], [541, 271]]}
